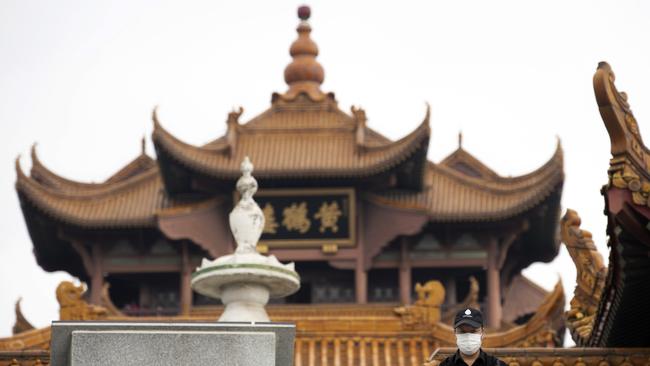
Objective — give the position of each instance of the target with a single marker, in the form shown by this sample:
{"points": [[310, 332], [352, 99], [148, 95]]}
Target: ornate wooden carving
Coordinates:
{"points": [[630, 163], [72, 305], [425, 313], [231, 124], [590, 277], [21, 324]]}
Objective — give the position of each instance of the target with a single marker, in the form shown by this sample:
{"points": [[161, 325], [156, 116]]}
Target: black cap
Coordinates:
{"points": [[469, 316]]}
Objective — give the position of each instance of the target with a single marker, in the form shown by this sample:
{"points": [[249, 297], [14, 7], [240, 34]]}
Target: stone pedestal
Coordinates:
{"points": [[163, 344], [244, 283], [245, 280]]}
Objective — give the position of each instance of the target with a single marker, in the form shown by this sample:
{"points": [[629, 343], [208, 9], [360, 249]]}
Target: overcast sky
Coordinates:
{"points": [[81, 78]]}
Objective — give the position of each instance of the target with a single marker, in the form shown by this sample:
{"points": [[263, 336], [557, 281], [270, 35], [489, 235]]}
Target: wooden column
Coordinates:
{"points": [[186, 281], [405, 284], [450, 290], [493, 285], [360, 273], [360, 283], [96, 276]]}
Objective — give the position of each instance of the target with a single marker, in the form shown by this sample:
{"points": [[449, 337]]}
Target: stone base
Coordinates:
{"points": [[244, 301], [173, 348], [162, 344]]}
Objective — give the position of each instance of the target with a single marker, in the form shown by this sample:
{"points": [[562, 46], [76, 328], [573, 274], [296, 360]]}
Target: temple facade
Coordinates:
{"points": [[388, 244], [363, 217]]}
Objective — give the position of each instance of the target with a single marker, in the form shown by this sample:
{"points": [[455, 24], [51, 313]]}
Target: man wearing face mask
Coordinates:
{"points": [[468, 327]]}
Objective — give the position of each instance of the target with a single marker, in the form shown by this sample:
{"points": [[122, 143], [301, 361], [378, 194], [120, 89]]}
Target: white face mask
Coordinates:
{"points": [[468, 343]]}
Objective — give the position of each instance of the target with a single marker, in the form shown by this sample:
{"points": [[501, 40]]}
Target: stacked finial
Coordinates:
{"points": [[245, 279], [304, 73]]}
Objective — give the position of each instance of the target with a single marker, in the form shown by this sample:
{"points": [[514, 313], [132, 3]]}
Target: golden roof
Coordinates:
{"points": [[453, 195], [448, 195], [303, 135], [132, 202], [304, 139]]}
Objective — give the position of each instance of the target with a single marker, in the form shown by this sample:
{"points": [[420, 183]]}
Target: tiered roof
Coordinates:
{"points": [[454, 195], [302, 139], [302, 136], [130, 198]]}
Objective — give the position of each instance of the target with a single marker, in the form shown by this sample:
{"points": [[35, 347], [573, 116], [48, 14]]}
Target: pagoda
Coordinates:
{"points": [[364, 217]]}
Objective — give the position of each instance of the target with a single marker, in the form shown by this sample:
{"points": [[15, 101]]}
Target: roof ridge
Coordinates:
{"points": [[463, 156], [81, 211], [495, 186], [43, 171], [202, 159], [135, 167], [101, 190], [482, 201], [264, 120], [423, 127]]}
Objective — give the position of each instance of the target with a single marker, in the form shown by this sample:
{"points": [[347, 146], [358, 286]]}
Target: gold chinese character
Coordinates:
{"points": [[328, 214], [270, 225], [295, 217]]}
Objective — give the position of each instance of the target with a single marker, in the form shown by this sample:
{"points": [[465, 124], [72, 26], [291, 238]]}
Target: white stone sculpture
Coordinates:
{"points": [[246, 219], [245, 280]]}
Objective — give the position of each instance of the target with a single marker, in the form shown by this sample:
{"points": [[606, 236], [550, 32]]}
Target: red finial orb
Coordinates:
{"points": [[304, 12]]}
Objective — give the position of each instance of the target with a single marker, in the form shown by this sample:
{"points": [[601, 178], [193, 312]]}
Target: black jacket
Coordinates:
{"points": [[483, 360]]}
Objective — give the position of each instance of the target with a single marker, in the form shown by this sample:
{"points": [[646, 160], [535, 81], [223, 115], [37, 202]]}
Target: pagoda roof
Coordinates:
{"points": [[453, 194], [300, 139], [449, 195], [302, 136], [48, 178], [129, 198]]}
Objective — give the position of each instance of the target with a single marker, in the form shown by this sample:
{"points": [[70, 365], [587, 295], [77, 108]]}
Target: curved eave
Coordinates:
{"points": [[211, 162], [507, 197], [90, 210], [124, 177]]}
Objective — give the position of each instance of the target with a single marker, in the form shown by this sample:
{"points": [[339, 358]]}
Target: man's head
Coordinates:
{"points": [[469, 316], [468, 327]]}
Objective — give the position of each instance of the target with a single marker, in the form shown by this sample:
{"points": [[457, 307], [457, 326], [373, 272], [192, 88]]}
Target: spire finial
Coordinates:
{"points": [[304, 12], [460, 139], [304, 73], [143, 145]]}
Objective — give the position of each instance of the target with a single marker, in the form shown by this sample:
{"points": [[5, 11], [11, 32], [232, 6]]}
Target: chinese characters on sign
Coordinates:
{"points": [[270, 225], [307, 217], [295, 218], [328, 214]]}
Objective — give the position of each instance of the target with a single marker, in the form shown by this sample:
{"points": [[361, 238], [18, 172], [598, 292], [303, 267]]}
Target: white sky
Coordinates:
{"points": [[81, 78]]}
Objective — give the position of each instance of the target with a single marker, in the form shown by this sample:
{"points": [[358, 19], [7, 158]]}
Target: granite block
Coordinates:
{"points": [[171, 348], [61, 340]]}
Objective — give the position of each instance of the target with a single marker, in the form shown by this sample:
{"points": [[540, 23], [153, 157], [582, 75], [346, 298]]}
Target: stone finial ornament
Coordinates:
{"points": [[246, 219], [245, 280]]}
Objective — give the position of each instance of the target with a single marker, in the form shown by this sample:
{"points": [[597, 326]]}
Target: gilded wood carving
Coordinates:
{"points": [[590, 277], [630, 161]]}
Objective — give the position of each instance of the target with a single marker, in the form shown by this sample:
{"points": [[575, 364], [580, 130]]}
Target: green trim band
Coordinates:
{"points": [[251, 265]]}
